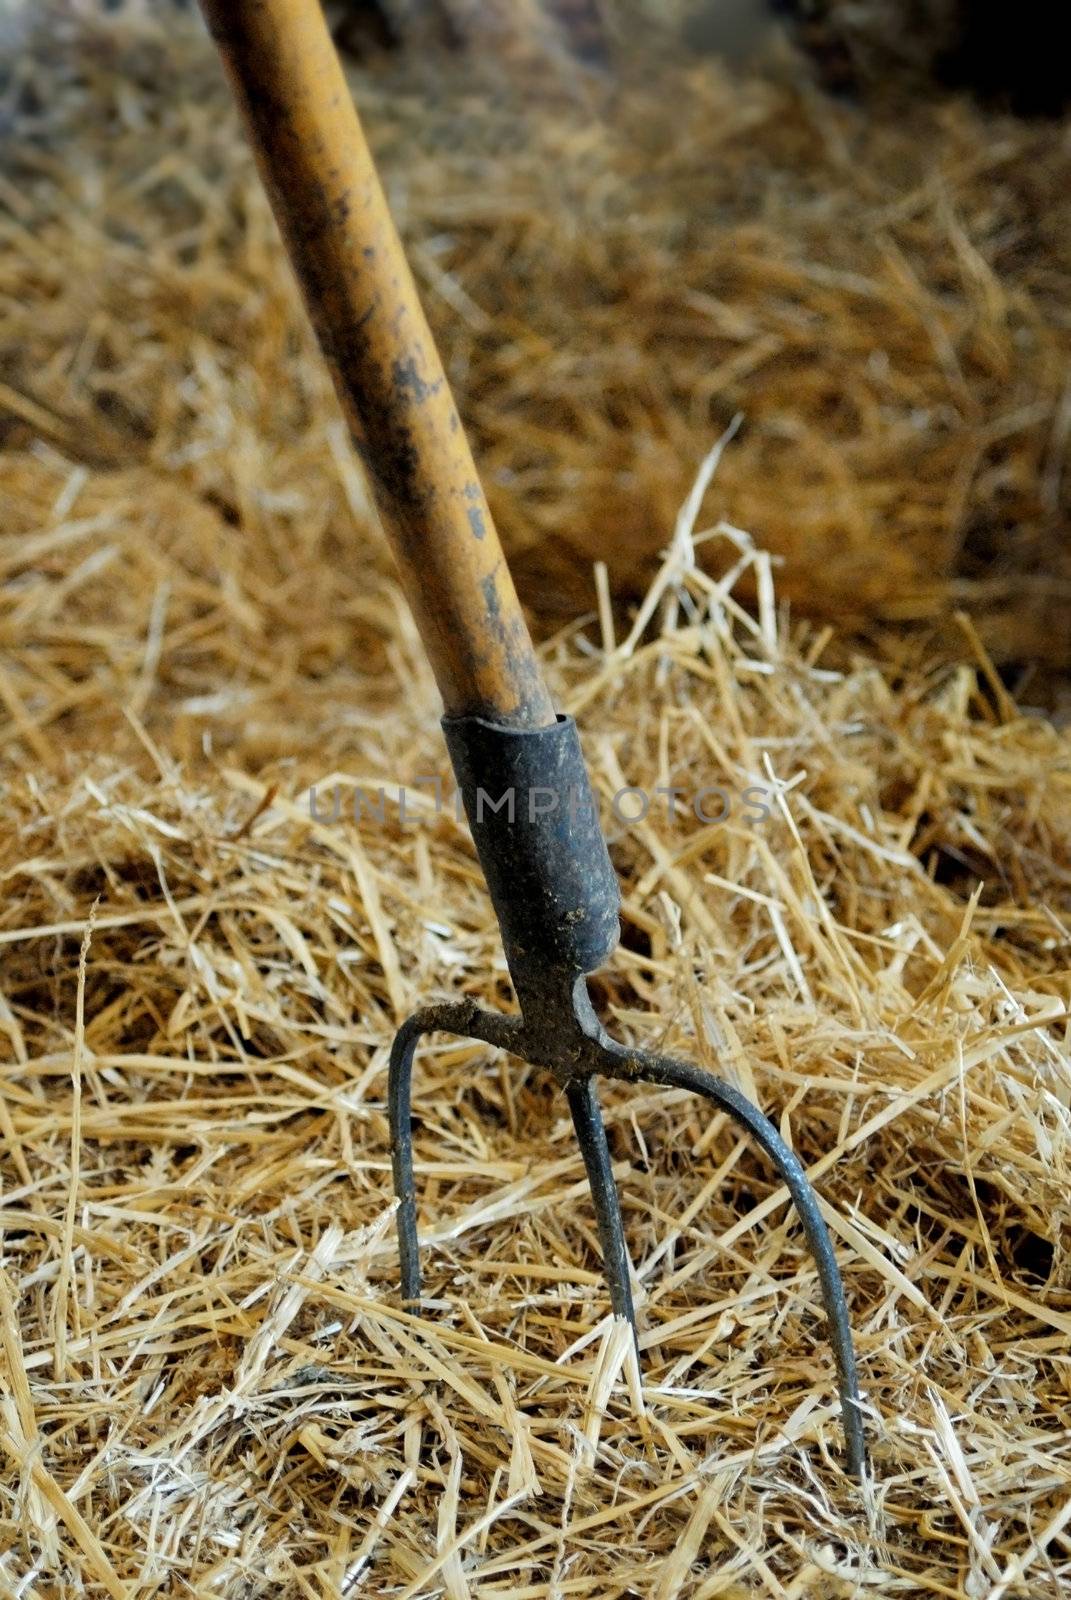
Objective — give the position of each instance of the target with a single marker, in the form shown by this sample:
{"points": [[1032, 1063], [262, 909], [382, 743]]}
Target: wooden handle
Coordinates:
{"points": [[334, 218]]}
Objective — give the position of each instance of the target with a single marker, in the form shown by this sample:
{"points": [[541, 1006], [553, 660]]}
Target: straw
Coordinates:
{"points": [[207, 1382]]}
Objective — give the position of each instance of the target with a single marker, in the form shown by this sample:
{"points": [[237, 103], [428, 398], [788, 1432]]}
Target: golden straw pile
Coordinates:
{"points": [[207, 1383]]}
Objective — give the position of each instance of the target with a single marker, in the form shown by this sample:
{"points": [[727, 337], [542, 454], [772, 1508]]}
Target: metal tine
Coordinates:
{"points": [[591, 1135], [638, 1066], [399, 1112], [467, 1021]]}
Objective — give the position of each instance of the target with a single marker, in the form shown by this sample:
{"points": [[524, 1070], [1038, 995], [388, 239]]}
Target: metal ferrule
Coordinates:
{"points": [[535, 825]]}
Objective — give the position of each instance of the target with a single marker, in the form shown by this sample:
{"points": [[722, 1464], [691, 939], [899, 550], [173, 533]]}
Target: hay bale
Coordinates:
{"points": [[206, 1381]]}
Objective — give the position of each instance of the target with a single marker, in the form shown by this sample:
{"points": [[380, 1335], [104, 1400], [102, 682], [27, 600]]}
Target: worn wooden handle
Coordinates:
{"points": [[344, 247]]}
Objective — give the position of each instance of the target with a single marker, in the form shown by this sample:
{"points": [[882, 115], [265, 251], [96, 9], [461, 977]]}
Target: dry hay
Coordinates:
{"points": [[208, 1385], [882, 295]]}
